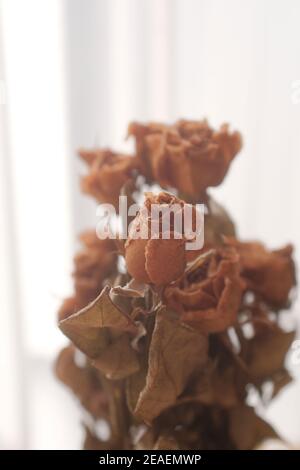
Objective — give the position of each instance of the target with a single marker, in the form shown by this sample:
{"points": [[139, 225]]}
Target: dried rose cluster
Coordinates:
{"points": [[168, 352]]}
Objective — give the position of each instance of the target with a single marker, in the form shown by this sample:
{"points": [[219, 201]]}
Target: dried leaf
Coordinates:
{"points": [[89, 328], [265, 354], [247, 429], [134, 385], [217, 223], [223, 386], [119, 417], [118, 360], [176, 353]]}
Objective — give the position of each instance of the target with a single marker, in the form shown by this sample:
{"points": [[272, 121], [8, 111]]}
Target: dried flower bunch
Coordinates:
{"points": [[168, 352]]}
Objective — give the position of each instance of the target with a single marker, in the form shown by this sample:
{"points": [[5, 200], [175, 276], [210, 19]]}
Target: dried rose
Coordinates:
{"points": [[155, 259], [92, 266], [189, 156], [152, 370], [109, 171], [208, 295], [271, 274]]}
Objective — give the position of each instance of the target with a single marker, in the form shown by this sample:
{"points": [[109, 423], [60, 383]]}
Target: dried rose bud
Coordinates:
{"points": [[189, 156], [271, 274], [208, 296], [156, 259], [109, 171]]}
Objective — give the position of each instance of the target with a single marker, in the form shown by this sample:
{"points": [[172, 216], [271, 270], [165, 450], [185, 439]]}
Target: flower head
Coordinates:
{"points": [[155, 254], [109, 171], [93, 264], [189, 155], [208, 295]]}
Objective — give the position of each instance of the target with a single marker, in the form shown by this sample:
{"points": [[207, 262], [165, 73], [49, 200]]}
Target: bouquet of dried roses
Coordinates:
{"points": [[166, 352]]}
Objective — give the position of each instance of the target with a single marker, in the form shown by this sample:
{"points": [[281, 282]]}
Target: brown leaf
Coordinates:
{"points": [[136, 382], [119, 419], [118, 360], [265, 354], [134, 385], [176, 353], [246, 429], [216, 385], [217, 223], [89, 328]]}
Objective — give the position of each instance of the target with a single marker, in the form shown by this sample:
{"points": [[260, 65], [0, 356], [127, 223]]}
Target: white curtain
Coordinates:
{"points": [[74, 73]]}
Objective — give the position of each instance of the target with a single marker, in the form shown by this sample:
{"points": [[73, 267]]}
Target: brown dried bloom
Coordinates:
{"points": [[269, 273], [153, 356], [109, 171], [155, 259], [209, 293], [92, 266], [189, 156]]}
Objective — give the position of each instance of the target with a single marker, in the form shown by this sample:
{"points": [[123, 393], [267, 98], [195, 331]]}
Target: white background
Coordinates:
{"points": [[74, 73]]}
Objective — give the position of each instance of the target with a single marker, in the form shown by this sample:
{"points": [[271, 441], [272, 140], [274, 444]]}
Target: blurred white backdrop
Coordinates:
{"points": [[74, 73]]}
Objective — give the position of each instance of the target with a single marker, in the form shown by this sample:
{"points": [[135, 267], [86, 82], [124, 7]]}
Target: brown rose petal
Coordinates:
{"points": [[165, 260], [190, 299], [219, 318], [188, 155], [136, 259], [109, 171]]}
